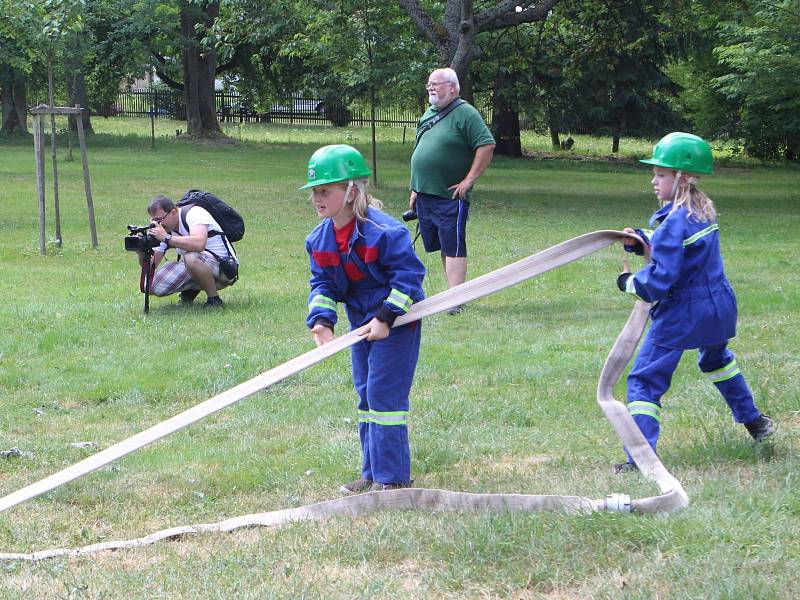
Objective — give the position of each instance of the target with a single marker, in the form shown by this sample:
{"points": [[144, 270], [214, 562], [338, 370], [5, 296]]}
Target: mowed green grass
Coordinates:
{"points": [[503, 400]]}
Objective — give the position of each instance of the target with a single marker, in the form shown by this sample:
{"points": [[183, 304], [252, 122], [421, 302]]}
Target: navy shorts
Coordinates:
{"points": [[443, 224]]}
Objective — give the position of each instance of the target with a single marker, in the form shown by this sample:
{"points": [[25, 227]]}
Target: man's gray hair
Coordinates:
{"points": [[162, 202], [450, 75]]}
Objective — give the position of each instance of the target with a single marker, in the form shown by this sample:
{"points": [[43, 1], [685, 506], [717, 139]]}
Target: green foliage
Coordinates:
{"points": [[762, 57], [738, 76], [592, 67]]}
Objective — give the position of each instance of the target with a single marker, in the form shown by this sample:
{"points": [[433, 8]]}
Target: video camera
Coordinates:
{"points": [[140, 240]]}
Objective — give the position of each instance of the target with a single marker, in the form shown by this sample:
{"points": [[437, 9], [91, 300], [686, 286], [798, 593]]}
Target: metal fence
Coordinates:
{"points": [[232, 107]]}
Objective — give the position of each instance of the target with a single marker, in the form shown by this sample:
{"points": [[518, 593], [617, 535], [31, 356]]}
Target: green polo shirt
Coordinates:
{"points": [[444, 155]]}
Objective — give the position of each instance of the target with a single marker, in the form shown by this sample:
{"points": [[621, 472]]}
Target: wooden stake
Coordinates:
{"points": [[56, 207], [87, 184], [38, 151]]}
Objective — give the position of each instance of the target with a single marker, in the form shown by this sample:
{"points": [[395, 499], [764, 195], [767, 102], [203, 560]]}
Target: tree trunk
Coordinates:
{"points": [[198, 73], [615, 144], [14, 94], [554, 141], [76, 90], [505, 122]]}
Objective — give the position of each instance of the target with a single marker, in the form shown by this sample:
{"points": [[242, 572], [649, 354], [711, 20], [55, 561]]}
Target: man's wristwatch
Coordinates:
{"points": [[167, 238]]}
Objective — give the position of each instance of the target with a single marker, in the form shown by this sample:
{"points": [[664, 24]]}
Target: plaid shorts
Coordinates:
{"points": [[174, 277]]}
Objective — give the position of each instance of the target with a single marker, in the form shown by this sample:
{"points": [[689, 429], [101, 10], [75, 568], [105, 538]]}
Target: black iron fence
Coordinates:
{"points": [[232, 107]]}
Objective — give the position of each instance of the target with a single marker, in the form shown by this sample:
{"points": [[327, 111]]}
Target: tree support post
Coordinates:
{"points": [[87, 184], [38, 151], [37, 113]]}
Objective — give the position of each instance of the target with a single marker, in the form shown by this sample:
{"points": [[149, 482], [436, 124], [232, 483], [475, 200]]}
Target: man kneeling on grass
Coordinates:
{"points": [[200, 243]]}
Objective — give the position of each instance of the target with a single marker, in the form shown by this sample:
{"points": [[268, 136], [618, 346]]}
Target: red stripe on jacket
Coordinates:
{"points": [[352, 271], [367, 253], [325, 259]]}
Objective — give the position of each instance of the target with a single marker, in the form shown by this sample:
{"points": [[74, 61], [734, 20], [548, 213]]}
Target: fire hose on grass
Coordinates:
{"points": [[672, 496]]}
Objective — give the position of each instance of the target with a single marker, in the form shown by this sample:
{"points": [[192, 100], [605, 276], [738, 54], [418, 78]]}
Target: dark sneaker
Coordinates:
{"points": [[761, 428], [359, 486], [214, 301], [626, 467], [385, 487], [456, 310], [188, 296]]}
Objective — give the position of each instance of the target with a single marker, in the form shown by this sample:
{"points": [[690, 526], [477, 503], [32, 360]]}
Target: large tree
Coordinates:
{"points": [[760, 56], [591, 66], [625, 47], [454, 33], [199, 69], [17, 57], [193, 65]]}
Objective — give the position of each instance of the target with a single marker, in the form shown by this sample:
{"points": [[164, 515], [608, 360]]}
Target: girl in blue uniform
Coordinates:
{"points": [[364, 258], [694, 305]]}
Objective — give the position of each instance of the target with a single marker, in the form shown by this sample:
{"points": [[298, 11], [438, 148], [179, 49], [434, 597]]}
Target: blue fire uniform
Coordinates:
{"points": [[379, 276], [694, 307]]}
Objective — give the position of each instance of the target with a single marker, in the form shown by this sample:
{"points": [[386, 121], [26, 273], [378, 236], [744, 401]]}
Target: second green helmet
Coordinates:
{"points": [[683, 152], [338, 162]]}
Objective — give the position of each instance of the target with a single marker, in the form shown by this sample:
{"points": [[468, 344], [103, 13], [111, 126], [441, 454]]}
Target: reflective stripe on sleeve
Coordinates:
{"points": [[363, 416], [701, 233], [400, 300], [729, 371], [640, 407], [322, 302]]}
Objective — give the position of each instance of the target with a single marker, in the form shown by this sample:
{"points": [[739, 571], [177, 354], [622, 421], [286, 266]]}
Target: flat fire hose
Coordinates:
{"points": [[672, 497]]}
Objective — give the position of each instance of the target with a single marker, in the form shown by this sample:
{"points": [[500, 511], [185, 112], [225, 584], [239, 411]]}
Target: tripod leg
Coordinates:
{"points": [[148, 278]]}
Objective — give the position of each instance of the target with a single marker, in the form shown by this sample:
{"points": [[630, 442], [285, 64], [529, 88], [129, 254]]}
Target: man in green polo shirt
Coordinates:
{"points": [[453, 148]]}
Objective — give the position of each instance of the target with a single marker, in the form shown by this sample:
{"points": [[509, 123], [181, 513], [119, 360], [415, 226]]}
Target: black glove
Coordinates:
{"points": [[323, 321], [622, 281]]}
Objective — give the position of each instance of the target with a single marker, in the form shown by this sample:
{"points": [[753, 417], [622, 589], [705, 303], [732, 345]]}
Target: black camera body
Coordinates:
{"points": [[409, 215], [140, 240]]}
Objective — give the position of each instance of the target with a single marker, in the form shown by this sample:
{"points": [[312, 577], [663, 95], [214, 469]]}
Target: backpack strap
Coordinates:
{"points": [[428, 125], [210, 233]]}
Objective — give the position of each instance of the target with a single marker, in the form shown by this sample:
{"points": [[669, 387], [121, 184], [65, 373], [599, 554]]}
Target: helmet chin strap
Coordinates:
{"points": [[347, 192], [676, 184]]}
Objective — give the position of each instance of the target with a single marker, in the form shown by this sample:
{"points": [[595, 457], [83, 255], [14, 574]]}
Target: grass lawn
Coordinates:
{"points": [[503, 399]]}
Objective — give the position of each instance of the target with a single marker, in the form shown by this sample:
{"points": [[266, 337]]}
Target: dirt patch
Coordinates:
{"points": [[541, 155], [216, 140]]}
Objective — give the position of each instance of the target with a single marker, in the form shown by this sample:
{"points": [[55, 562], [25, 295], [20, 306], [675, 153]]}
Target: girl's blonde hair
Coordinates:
{"points": [[688, 195], [363, 199]]}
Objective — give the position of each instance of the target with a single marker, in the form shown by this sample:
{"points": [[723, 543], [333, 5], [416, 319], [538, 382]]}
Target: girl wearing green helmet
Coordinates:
{"points": [[693, 303], [364, 258], [678, 160]]}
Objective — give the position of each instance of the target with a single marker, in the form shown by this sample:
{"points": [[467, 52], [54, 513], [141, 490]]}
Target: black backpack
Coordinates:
{"points": [[231, 221]]}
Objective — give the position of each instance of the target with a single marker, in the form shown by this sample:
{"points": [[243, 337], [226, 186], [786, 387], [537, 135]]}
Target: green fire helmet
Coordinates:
{"points": [[682, 152], [338, 162]]}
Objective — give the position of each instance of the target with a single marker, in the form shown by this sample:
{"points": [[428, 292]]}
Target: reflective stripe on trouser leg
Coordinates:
{"points": [[647, 416], [719, 365], [649, 379], [383, 372]]}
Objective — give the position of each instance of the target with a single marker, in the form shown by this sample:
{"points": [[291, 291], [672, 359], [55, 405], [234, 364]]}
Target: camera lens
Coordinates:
{"points": [[409, 215]]}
